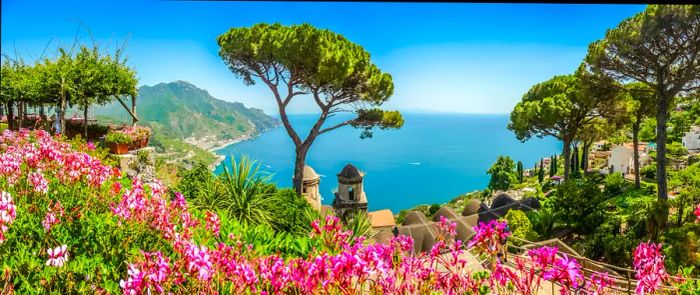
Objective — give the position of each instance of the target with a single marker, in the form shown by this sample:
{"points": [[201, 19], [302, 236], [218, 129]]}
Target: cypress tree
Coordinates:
{"points": [[520, 171], [540, 173], [552, 165]]}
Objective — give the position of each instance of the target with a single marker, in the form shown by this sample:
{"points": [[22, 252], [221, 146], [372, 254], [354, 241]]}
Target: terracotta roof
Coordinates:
{"points": [[381, 218], [630, 146]]}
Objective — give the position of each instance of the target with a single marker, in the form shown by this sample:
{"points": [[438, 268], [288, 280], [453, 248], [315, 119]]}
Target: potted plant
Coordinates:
{"points": [[118, 142], [141, 134]]}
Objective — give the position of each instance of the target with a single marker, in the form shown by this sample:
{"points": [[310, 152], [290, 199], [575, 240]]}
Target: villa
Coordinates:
{"points": [[691, 139], [621, 158]]}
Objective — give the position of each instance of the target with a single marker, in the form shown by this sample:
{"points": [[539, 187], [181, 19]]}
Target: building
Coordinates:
{"points": [[310, 187], [350, 197], [621, 158], [600, 145], [382, 220], [691, 139]]}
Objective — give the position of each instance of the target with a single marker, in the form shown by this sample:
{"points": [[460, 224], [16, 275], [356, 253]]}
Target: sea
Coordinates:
{"points": [[432, 159]]}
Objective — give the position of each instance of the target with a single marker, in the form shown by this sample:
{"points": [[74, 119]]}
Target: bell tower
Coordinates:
{"points": [[350, 197]]}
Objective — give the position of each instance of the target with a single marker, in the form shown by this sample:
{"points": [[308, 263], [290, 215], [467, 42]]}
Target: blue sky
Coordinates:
{"points": [[456, 57]]}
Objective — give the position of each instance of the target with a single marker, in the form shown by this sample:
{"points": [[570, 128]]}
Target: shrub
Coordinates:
{"points": [[575, 200], [520, 226], [614, 183], [433, 209], [648, 171]]}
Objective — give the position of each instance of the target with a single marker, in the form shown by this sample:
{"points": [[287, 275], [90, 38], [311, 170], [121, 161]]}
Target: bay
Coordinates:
{"points": [[432, 159]]}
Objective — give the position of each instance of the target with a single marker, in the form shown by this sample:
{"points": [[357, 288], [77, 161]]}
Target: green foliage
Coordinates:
{"points": [[502, 176], [520, 226], [243, 193], [197, 183], [614, 183], [292, 213], [326, 65], [682, 247], [577, 204], [359, 224], [117, 137], [647, 130], [649, 171], [520, 171], [542, 221], [676, 149], [433, 209]]}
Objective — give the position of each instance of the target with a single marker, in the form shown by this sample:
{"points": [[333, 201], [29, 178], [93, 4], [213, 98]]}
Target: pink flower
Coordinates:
{"points": [[8, 214], [57, 256], [649, 266], [199, 261], [213, 222], [50, 219], [134, 283], [697, 213]]}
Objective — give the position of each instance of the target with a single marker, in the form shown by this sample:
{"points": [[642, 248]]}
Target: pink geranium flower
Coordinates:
{"points": [[57, 256], [8, 213]]}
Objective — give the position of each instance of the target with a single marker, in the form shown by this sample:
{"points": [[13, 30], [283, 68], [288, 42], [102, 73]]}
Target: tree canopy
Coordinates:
{"points": [[303, 61], [562, 106], [72, 78], [659, 47], [502, 175]]}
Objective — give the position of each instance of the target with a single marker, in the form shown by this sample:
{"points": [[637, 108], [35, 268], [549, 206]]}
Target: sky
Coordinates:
{"points": [[443, 57]]}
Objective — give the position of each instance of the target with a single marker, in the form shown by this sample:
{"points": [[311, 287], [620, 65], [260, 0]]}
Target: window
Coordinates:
{"points": [[351, 194]]}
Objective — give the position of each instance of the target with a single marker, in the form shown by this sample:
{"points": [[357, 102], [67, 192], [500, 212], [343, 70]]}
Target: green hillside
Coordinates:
{"points": [[181, 110]]}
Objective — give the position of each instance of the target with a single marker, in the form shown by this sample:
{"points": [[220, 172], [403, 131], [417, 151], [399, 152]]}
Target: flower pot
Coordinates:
{"points": [[118, 148], [144, 142]]}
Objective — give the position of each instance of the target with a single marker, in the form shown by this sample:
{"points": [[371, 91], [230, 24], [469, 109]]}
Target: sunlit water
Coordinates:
{"points": [[432, 159]]}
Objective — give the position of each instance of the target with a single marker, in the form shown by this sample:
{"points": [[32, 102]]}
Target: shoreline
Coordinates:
{"points": [[246, 137]]}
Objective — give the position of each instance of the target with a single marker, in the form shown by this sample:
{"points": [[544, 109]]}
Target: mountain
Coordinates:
{"points": [[182, 110]]}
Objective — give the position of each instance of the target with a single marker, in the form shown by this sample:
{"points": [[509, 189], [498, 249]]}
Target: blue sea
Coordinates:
{"points": [[432, 159]]}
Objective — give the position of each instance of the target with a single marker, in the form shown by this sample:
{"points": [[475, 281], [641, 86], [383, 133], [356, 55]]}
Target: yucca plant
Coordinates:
{"points": [[359, 224], [245, 194]]}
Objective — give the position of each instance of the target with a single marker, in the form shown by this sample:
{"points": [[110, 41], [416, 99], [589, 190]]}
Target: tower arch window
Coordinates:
{"points": [[351, 194]]}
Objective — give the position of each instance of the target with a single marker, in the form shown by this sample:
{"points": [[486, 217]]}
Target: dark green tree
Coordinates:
{"points": [[502, 175], [520, 171], [659, 47], [642, 103], [540, 173], [561, 107], [303, 61]]}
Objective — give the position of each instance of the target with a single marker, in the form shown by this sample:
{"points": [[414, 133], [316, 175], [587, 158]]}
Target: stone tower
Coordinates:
{"points": [[350, 197], [309, 187]]}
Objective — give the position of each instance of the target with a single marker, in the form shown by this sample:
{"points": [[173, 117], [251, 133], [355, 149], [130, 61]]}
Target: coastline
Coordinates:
{"points": [[224, 144]]}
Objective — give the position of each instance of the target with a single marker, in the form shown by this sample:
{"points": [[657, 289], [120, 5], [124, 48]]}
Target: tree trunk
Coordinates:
{"points": [[679, 219], [20, 114], [85, 120], [299, 162], [10, 116], [584, 156], [133, 110], [635, 146], [567, 156], [661, 117], [62, 110]]}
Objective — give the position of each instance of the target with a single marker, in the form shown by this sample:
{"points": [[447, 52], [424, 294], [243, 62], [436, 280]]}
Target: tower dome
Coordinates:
{"points": [[350, 173]]}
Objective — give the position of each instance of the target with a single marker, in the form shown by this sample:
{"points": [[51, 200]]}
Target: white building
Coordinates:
{"points": [[691, 139], [621, 158]]}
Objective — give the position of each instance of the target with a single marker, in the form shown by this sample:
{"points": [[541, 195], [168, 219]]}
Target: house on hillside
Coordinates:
{"points": [[621, 158], [691, 139], [600, 145]]}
